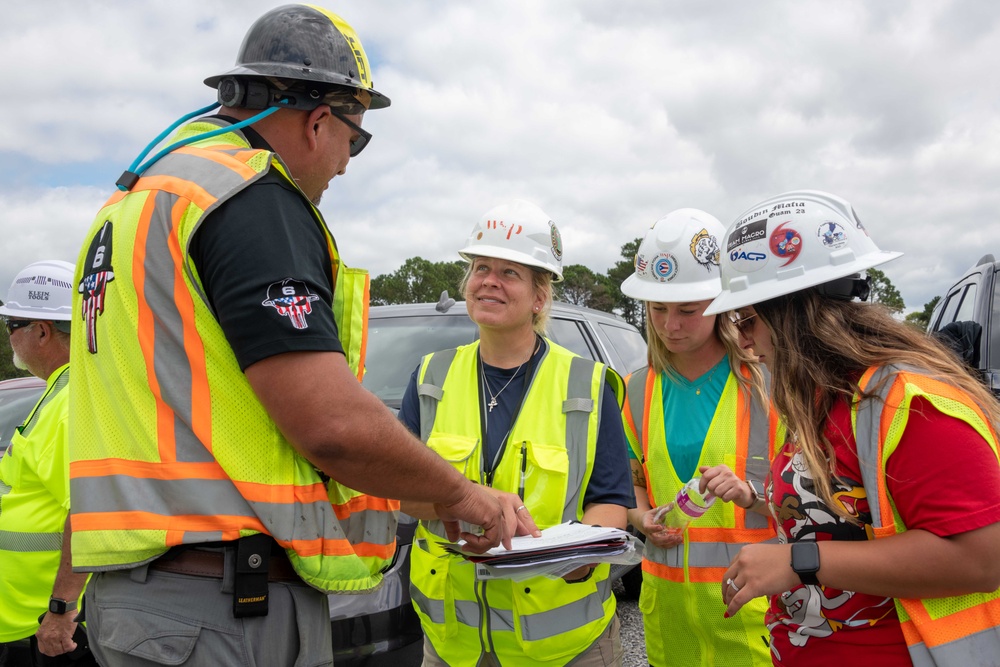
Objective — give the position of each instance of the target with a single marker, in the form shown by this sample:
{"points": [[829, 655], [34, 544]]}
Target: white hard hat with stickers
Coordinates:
{"points": [[41, 291], [519, 232], [790, 242], [678, 260]]}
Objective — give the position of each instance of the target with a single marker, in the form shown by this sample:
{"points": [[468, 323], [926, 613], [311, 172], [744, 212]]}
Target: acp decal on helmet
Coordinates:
{"points": [[97, 273], [292, 299], [786, 243], [352, 38], [664, 267], [556, 238], [747, 244], [832, 234], [705, 249]]}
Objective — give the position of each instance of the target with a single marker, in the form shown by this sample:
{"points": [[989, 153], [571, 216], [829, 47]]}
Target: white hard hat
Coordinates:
{"points": [[678, 260], [41, 291], [790, 242], [519, 232]]}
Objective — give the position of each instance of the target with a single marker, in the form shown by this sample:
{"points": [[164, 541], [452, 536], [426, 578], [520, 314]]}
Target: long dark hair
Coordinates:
{"points": [[822, 346]]}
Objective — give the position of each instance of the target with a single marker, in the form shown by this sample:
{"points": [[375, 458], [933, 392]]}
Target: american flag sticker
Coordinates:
{"points": [[292, 299]]}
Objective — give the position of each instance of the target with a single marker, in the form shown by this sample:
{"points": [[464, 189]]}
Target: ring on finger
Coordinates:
{"points": [[522, 507], [730, 582]]}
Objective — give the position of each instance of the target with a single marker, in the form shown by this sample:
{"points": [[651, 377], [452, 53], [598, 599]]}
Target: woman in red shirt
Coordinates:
{"points": [[887, 491]]}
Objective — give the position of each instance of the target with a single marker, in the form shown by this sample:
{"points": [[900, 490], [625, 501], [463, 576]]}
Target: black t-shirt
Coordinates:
{"points": [[265, 267], [611, 480]]}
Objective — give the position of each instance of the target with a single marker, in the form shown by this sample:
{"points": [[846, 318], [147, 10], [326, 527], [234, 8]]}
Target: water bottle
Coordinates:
{"points": [[689, 504]]}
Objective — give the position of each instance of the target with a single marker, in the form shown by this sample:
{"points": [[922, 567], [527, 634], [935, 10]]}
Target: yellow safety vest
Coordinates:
{"points": [[680, 599], [538, 620], [939, 632], [34, 500], [171, 445]]}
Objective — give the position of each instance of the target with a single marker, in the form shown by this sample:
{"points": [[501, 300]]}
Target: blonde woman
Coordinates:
{"points": [[887, 491], [693, 412], [515, 412]]}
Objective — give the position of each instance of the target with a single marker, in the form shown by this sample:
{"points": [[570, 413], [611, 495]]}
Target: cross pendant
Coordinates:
{"points": [[492, 404]]}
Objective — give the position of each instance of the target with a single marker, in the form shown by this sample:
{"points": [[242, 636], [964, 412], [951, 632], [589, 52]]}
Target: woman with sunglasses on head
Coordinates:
{"points": [[887, 490], [693, 412], [518, 413]]}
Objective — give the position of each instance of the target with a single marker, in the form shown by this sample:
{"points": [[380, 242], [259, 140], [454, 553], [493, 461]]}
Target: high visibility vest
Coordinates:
{"points": [[955, 631], [538, 620], [32, 514], [680, 600], [171, 446]]}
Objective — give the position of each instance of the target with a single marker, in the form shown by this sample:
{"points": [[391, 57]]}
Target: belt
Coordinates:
{"points": [[199, 563]]}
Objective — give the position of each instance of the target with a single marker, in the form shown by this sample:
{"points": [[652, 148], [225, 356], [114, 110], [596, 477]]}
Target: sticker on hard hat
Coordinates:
{"points": [[748, 260], [641, 265], [748, 233], [705, 249], [832, 234], [785, 243], [556, 239], [664, 267]]}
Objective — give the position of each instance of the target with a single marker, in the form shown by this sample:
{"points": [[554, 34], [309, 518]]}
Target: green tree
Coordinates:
{"points": [[922, 318], [631, 310], [7, 368], [417, 281], [884, 292], [583, 287]]}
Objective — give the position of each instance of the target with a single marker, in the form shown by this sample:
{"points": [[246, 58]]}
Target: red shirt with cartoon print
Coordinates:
{"points": [[927, 478]]}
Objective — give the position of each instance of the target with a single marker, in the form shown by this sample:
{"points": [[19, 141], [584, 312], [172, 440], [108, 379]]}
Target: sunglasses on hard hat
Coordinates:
{"points": [[743, 322], [357, 144]]}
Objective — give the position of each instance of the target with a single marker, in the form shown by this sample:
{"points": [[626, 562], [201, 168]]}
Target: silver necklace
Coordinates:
{"points": [[486, 383]]}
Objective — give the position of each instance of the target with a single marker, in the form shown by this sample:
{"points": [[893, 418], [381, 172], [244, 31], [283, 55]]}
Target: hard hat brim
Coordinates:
{"points": [[747, 295], [469, 253], [644, 290]]}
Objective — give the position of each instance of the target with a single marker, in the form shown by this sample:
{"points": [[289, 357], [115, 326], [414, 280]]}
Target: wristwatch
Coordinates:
{"points": [[758, 497], [57, 606], [805, 562]]}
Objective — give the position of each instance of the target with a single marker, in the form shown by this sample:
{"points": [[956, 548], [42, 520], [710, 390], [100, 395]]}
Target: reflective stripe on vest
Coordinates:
{"points": [[939, 632], [680, 601], [541, 620], [172, 445]]}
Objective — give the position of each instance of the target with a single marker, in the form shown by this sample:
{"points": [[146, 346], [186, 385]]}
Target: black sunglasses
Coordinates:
{"points": [[14, 325], [357, 145]]}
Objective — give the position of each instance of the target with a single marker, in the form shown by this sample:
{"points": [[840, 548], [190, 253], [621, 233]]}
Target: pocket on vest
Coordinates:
{"points": [[458, 450]]}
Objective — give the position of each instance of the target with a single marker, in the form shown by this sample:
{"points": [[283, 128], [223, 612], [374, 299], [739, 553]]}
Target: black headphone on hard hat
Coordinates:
{"points": [[255, 93]]}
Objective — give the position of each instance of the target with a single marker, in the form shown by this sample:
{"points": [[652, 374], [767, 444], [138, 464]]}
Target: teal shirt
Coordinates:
{"points": [[687, 414]]}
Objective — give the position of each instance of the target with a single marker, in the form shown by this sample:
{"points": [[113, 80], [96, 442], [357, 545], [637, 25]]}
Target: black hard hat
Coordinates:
{"points": [[308, 44]]}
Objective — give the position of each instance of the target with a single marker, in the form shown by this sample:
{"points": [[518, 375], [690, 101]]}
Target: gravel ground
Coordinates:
{"points": [[632, 637]]}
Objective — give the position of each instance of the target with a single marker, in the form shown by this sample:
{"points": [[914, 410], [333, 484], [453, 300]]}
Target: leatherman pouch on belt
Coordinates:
{"points": [[253, 555]]}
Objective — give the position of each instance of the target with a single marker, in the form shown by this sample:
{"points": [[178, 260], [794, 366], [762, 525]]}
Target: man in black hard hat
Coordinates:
{"points": [[220, 429]]}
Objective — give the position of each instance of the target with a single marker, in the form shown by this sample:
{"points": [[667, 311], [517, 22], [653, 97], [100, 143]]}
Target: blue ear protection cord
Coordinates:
{"points": [[128, 180]]}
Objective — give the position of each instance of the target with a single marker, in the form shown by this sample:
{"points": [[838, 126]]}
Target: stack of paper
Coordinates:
{"points": [[560, 549]]}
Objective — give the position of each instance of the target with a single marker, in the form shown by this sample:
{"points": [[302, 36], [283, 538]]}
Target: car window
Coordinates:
{"points": [[396, 345], [15, 404], [953, 301], [629, 344], [967, 309], [569, 334]]}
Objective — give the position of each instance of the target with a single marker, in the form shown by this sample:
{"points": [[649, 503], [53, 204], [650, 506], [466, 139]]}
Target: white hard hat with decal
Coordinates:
{"points": [[790, 242], [41, 291], [519, 232], [678, 260]]}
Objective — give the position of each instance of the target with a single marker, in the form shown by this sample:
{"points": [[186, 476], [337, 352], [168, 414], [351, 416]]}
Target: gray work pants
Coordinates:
{"points": [[141, 618]]}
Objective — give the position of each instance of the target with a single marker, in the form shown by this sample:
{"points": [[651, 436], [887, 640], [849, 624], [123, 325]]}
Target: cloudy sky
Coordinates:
{"points": [[606, 114]]}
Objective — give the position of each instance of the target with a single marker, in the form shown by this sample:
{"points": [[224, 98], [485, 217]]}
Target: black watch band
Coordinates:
{"points": [[57, 606], [805, 562]]}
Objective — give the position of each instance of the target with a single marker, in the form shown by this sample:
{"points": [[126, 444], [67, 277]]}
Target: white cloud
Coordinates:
{"points": [[607, 115]]}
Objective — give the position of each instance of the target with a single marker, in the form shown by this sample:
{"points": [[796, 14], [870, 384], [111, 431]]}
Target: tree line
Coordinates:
{"points": [[420, 281]]}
